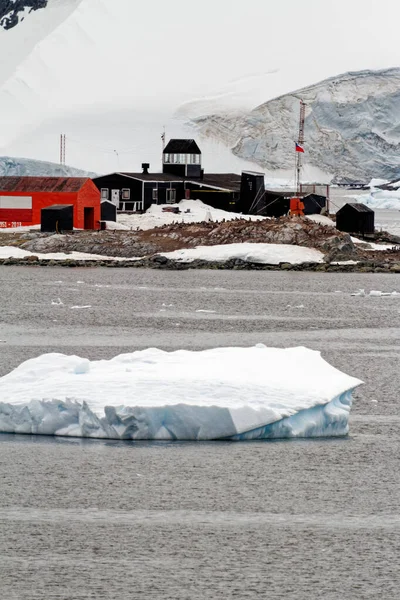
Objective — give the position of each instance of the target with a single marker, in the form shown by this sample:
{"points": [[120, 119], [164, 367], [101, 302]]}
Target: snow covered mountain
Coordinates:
{"points": [[111, 74], [352, 127], [37, 168]]}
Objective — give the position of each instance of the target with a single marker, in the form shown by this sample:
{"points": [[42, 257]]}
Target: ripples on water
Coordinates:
{"points": [[295, 520]]}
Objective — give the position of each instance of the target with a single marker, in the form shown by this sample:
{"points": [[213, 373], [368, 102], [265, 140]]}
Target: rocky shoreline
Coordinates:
{"points": [[149, 249], [161, 262]]}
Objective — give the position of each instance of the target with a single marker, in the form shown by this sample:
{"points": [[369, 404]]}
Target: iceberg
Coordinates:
{"points": [[233, 394]]}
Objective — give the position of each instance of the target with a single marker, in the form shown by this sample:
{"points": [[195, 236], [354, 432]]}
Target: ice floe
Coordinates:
{"points": [[223, 393]]}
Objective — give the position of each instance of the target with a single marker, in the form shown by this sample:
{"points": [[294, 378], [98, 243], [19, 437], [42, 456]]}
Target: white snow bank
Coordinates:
{"points": [[372, 245], [14, 252], [271, 254], [19, 229], [151, 394], [198, 212], [322, 220]]}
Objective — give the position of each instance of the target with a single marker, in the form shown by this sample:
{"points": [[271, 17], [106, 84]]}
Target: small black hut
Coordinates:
{"points": [[57, 218], [108, 211], [356, 218]]}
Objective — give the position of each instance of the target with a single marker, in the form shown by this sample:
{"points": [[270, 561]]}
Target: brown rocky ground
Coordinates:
{"points": [[178, 235], [335, 245]]}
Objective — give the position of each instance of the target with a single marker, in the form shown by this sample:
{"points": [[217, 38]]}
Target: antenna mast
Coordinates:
{"points": [[299, 155], [62, 148]]}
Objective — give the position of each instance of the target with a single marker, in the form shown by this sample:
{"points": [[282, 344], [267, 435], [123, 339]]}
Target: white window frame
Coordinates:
{"points": [[125, 194], [107, 191], [155, 195]]}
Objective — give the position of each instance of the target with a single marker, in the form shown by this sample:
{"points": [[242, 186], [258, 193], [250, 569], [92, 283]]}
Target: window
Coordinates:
{"points": [[171, 196], [126, 194], [166, 158], [104, 193], [155, 194]]}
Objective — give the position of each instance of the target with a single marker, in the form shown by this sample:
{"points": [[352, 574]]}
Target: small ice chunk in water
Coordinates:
{"points": [[57, 302]]}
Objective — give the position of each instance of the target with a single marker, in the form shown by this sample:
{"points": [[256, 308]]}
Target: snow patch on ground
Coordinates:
{"points": [[321, 220], [14, 252], [237, 393], [270, 254], [192, 211]]}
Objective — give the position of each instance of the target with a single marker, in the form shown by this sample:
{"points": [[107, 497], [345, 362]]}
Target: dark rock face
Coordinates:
{"points": [[10, 10]]}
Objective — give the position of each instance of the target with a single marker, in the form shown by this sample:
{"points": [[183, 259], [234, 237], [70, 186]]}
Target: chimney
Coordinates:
{"points": [[145, 167]]}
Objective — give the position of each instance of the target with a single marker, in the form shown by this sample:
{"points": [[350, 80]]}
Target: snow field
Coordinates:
{"points": [[271, 254], [151, 394], [192, 211]]}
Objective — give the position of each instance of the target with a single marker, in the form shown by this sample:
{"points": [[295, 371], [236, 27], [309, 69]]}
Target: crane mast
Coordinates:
{"points": [[299, 155]]}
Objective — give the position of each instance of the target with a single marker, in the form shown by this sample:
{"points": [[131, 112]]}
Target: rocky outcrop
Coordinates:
{"points": [[12, 11], [292, 231]]}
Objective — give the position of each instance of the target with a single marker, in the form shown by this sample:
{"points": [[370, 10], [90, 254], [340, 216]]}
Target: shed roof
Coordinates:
{"points": [[176, 146], [58, 207], [226, 181], [42, 184], [361, 208]]}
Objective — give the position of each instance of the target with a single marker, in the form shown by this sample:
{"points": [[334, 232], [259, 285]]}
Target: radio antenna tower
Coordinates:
{"points": [[300, 147], [62, 149]]}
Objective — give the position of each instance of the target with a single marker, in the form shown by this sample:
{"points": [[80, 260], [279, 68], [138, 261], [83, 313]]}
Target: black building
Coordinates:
{"points": [[252, 193], [57, 218], [314, 204], [183, 177], [356, 218], [136, 192], [183, 158]]}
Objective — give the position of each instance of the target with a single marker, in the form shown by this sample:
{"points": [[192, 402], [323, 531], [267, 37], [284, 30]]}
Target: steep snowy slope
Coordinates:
{"points": [[112, 73], [352, 127]]}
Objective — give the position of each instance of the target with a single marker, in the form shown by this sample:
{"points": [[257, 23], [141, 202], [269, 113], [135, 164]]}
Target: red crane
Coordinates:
{"points": [[296, 205]]}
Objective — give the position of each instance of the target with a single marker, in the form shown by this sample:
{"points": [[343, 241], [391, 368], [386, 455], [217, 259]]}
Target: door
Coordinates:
{"points": [[88, 217], [115, 197]]}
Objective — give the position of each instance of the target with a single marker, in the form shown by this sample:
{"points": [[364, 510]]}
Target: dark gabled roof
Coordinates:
{"points": [[182, 147], [160, 177], [42, 184], [358, 207]]}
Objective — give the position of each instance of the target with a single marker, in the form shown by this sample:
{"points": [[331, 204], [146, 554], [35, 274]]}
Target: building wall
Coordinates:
{"points": [[88, 196], [119, 182], [214, 198], [162, 188]]}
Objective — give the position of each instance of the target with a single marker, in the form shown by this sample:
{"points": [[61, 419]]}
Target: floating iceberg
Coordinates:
{"points": [[219, 394]]}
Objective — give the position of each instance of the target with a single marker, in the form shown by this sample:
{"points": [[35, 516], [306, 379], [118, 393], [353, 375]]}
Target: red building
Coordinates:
{"points": [[22, 199]]}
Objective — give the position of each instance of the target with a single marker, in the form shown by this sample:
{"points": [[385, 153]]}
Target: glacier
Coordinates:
{"points": [[234, 394], [352, 127], [45, 88]]}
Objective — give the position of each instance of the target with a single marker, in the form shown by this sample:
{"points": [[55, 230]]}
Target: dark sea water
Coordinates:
{"points": [[308, 519]]}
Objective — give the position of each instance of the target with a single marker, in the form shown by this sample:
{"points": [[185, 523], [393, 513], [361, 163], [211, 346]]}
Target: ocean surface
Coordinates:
{"points": [[296, 520]]}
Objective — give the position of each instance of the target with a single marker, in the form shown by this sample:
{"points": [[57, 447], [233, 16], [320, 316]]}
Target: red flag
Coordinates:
{"points": [[299, 148]]}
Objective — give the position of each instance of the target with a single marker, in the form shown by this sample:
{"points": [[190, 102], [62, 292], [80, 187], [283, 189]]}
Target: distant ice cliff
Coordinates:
{"points": [[352, 127]]}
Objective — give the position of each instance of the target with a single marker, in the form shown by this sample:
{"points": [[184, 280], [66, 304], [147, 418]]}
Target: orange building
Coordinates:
{"points": [[22, 199]]}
